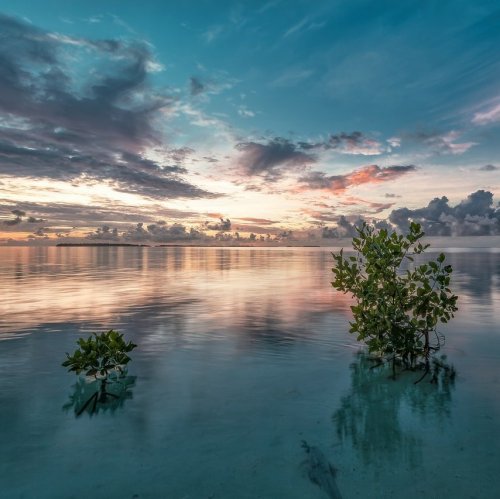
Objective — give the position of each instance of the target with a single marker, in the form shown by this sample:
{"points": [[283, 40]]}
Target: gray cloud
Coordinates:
{"points": [[346, 228], [62, 123], [475, 215], [364, 175], [488, 168], [18, 218], [276, 156], [71, 216], [222, 225], [271, 159], [442, 143], [349, 143], [105, 233], [159, 232]]}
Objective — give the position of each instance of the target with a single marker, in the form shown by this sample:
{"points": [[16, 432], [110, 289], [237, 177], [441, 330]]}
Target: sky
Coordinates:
{"points": [[247, 122]]}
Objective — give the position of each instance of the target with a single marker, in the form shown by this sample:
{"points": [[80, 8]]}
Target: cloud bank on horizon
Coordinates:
{"points": [[232, 122]]}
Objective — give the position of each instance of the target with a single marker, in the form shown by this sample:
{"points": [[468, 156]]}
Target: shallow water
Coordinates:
{"points": [[243, 354]]}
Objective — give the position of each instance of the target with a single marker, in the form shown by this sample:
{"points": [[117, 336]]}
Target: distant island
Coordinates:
{"points": [[103, 244]]}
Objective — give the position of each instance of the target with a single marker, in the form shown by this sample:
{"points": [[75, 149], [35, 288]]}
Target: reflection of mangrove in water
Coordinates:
{"points": [[375, 417], [100, 395]]}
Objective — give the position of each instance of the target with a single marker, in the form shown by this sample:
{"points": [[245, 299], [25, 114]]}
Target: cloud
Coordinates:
{"points": [[61, 121], [366, 175], [275, 157], [346, 228], [394, 141], [245, 112], [376, 207], [487, 116], [104, 233], [278, 155], [222, 226], [347, 143], [72, 216], [488, 168], [159, 232], [272, 158], [303, 25], [296, 27], [213, 84], [34, 220], [20, 219], [443, 143], [475, 215], [261, 221]]}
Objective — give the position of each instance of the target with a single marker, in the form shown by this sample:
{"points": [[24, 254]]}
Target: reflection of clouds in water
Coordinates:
{"points": [[476, 274], [264, 295], [375, 418], [94, 286]]}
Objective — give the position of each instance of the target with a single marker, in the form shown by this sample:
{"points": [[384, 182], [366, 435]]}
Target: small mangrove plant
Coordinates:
{"points": [[398, 302], [103, 357]]}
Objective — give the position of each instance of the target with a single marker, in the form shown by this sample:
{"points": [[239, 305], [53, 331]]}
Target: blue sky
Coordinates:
{"points": [[278, 116]]}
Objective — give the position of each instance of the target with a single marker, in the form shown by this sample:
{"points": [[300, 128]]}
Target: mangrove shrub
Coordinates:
{"points": [[104, 357], [398, 302]]}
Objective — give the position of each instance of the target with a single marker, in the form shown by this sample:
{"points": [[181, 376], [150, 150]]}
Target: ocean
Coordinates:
{"points": [[243, 356]]}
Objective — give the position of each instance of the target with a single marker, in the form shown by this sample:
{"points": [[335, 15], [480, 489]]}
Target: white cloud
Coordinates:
{"points": [[453, 147], [491, 115], [394, 141], [296, 27], [245, 112]]}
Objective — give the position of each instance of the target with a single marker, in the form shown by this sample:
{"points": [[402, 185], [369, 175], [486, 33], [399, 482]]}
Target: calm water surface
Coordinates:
{"points": [[243, 354]]}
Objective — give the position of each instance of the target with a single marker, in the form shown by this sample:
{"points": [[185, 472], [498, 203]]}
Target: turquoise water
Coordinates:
{"points": [[243, 354]]}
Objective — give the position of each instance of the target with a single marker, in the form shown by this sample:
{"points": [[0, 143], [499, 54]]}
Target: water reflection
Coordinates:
{"points": [[262, 293], [92, 397], [223, 289], [376, 417], [476, 273]]}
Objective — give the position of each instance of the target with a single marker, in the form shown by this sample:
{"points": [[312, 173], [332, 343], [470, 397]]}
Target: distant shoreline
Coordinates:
{"points": [[98, 245], [103, 244], [437, 243]]}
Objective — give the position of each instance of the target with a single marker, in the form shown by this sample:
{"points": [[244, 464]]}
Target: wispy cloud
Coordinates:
{"points": [[245, 112], [305, 24], [347, 143], [489, 115], [443, 143], [296, 27]]}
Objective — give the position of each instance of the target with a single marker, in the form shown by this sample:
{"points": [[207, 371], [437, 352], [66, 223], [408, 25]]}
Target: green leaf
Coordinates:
{"points": [[394, 307]]}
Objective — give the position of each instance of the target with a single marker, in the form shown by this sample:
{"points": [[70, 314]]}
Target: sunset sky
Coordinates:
{"points": [[288, 120]]}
